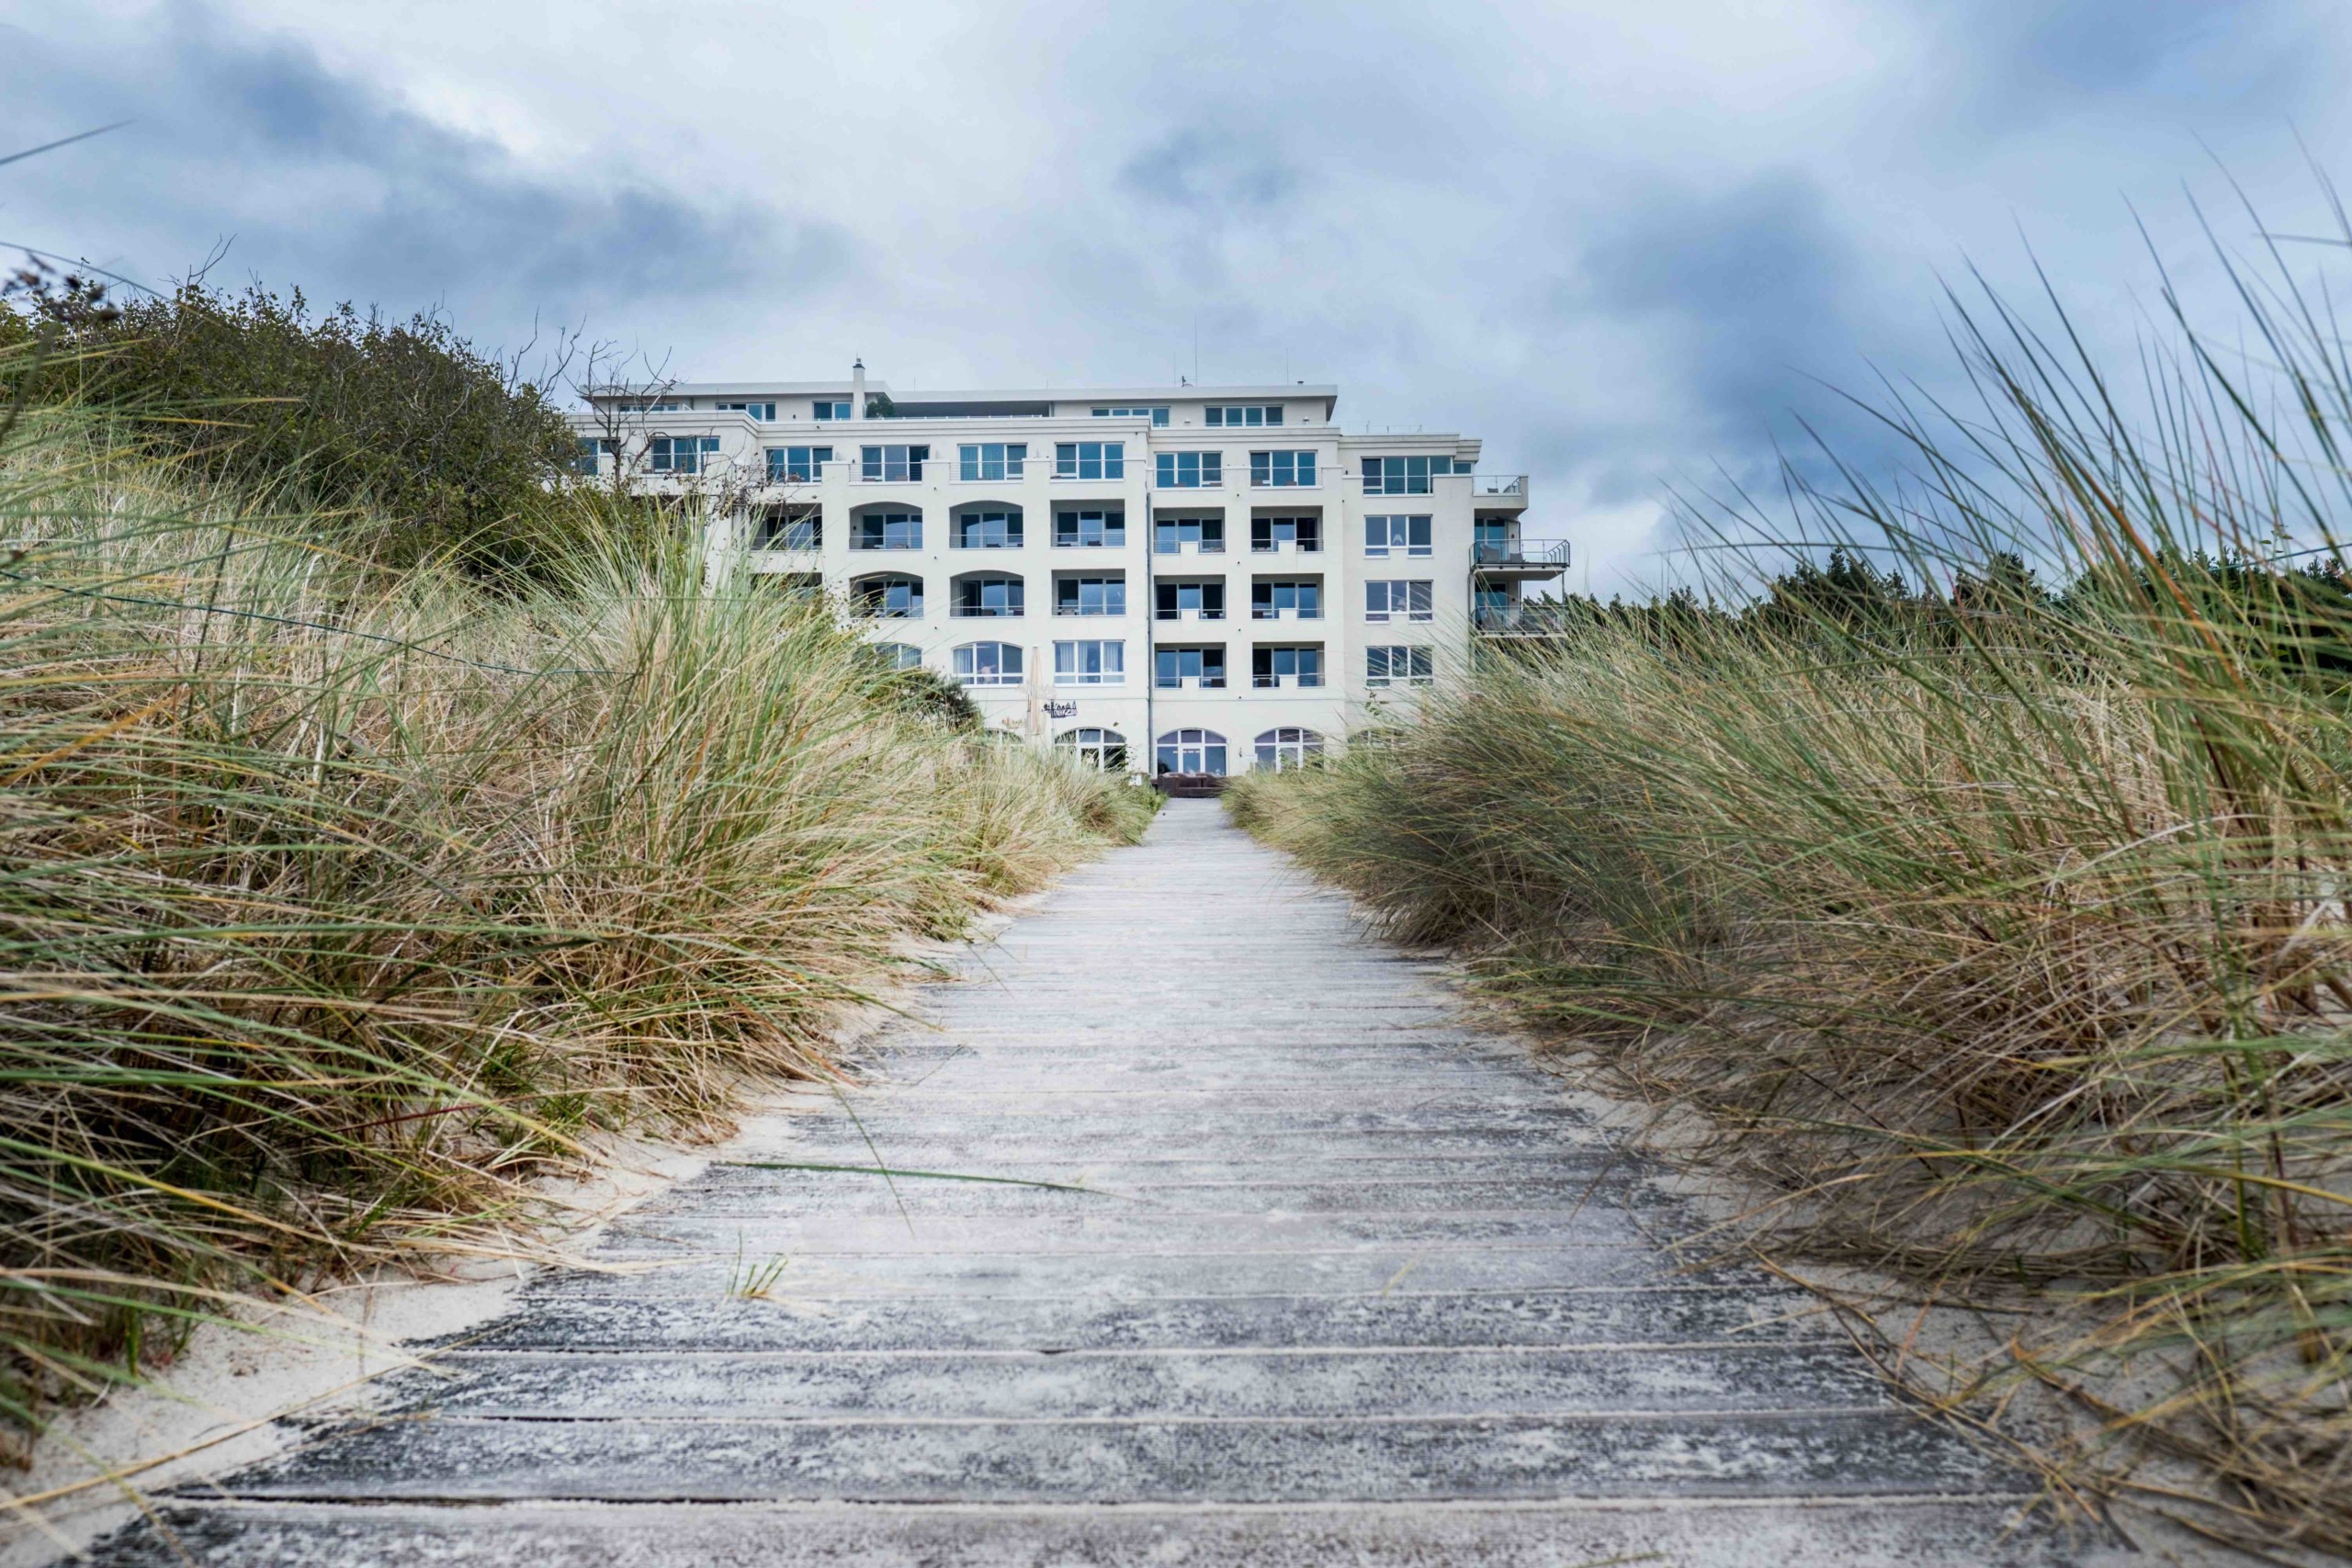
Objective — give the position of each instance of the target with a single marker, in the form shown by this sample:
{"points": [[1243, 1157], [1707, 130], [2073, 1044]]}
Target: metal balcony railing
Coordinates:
{"points": [[1520, 553], [1497, 485]]}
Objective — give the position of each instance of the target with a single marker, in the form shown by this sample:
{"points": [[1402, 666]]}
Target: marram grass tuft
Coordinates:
{"points": [[336, 903]]}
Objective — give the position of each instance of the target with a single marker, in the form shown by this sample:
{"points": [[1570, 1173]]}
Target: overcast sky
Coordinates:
{"points": [[1620, 240]]}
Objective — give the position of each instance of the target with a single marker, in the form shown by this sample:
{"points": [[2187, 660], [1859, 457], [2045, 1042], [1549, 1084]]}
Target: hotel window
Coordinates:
{"points": [[1204, 600], [1202, 667], [1273, 601], [992, 459], [891, 463], [1397, 667], [1280, 470], [1090, 460], [764, 412], [797, 464], [1206, 534], [1268, 535], [1157, 415], [1090, 663], [1288, 748], [899, 655], [1406, 476], [1397, 536], [1491, 539], [989, 528], [1090, 596], [1250, 415], [787, 528], [892, 598], [1272, 667], [826, 409], [885, 531], [1191, 751], [1397, 601], [588, 450], [1090, 530], [1105, 750], [683, 454], [1190, 471], [989, 664], [994, 598]]}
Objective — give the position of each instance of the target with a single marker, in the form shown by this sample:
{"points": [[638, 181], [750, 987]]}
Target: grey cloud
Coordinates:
{"points": [[330, 182], [1202, 171]]}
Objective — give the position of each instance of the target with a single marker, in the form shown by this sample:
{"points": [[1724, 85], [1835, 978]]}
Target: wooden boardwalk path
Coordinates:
{"points": [[1352, 1283]]}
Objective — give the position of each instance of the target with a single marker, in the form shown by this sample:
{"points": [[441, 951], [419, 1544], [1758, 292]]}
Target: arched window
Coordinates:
{"points": [[1192, 751], [986, 525], [1102, 749], [899, 655], [989, 594], [989, 664], [889, 596], [886, 525], [1287, 748]]}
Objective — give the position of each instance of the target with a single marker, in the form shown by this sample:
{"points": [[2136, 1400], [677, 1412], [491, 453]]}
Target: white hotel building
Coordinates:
{"points": [[1186, 580]]}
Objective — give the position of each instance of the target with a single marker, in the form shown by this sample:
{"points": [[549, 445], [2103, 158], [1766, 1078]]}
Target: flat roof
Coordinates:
{"points": [[1261, 392]]}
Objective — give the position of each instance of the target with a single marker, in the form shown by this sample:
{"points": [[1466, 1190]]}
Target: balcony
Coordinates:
{"points": [[1503, 488], [1534, 561], [1268, 683], [1541, 618]]}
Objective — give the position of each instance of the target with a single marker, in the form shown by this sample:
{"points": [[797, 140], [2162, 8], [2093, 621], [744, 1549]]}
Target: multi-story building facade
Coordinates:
{"points": [[1188, 579]]}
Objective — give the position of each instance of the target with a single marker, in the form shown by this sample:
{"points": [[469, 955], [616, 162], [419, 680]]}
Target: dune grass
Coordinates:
{"points": [[336, 903], [2006, 938]]}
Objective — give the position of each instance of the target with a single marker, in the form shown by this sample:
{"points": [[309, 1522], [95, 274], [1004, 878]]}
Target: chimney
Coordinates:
{"points": [[857, 390]]}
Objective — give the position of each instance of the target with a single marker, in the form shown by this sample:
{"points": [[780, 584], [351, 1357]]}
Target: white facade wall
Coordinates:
{"points": [[1040, 707]]}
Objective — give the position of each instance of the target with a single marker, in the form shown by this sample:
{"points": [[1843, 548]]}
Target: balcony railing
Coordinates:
{"points": [[1497, 485], [1533, 554], [1267, 683]]}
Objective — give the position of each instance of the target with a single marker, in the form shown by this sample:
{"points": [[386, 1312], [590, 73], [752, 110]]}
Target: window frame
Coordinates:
{"points": [[1384, 590], [1380, 660], [1110, 521], [875, 464], [784, 468], [1014, 534], [1265, 660], [1304, 534], [1110, 659], [964, 660], [1113, 596], [1206, 469], [1286, 747], [663, 452], [1163, 588], [1266, 599], [862, 591], [1405, 535], [1110, 460], [972, 587], [1210, 747], [1094, 745], [1202, 655], [1221, 416], [1158, 414], [1172, 543], [807, 522], [1284, 468], [912, 535], [976, 465]]}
